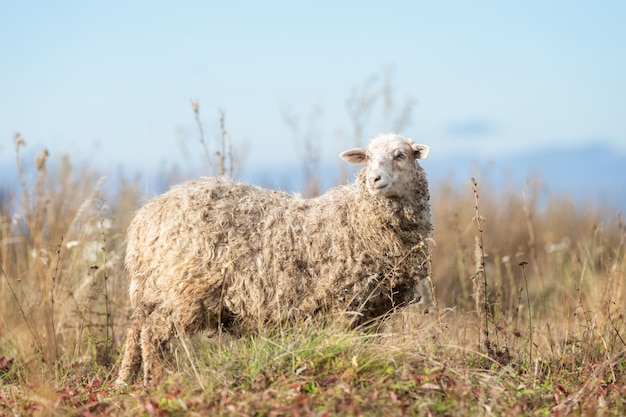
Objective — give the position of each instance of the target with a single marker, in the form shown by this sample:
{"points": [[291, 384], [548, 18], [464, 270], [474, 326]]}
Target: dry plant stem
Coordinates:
{"points": [[19, 142], [480, 263], [86, 313], [222, 161], [622, 228], [223, 153], [108, 317], [27, 314], [530, 317], [619, 336], [196, 112], [588, 322], [30, 323], [190, 358], [36, 225], [433, 293], [53, 284]]}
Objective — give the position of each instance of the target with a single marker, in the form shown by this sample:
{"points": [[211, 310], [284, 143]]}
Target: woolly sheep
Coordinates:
{"points": [[215, 252]]}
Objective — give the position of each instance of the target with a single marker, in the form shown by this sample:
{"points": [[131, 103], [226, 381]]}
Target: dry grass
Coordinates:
{"points": [[530, 320], [61, 254]]}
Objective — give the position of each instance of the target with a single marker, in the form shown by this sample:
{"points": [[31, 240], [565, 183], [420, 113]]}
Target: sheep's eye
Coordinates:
{"points": [[400, 156]]}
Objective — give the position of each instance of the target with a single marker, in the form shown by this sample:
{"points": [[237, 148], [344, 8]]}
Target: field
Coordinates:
{"points": [[528, 316]]}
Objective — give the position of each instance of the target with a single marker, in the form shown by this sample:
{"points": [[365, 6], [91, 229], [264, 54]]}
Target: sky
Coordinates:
{"points": [[111, 83]]}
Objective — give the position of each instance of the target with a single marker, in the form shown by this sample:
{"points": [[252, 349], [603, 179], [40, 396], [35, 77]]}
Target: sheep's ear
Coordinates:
{"points": [[355, 156], [420, 151]]}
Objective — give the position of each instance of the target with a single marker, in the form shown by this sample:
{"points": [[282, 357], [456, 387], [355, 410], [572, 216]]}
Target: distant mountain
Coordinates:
{"points": [[591, 173]]}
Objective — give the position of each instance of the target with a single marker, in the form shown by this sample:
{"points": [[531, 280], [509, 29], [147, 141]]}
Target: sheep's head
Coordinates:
{"points": [[391, 163]]}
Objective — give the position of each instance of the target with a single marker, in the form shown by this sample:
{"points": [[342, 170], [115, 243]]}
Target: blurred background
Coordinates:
{"points": [[505, 91]]}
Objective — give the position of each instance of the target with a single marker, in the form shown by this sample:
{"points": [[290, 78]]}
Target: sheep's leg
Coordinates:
{"points": [[154, 334], [132, 357]]}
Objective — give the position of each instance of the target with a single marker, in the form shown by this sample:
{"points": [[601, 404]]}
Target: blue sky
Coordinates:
{"points": [[112, 82]]}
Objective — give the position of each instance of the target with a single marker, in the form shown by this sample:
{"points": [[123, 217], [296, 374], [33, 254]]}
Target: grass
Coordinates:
{"points": [[529, 319]]}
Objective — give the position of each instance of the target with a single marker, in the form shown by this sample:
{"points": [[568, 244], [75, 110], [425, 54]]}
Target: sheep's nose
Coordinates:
{"points": [[374, 179]]}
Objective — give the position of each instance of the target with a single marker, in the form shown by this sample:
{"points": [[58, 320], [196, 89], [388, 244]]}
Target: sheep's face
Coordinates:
{"points": [[391, 162]]}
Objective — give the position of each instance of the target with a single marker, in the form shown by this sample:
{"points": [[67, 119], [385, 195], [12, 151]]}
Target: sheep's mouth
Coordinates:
{"points": [[378, 188]]}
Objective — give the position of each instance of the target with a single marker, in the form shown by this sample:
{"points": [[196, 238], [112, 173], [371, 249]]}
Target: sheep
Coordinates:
{"points": [[214, 253]]}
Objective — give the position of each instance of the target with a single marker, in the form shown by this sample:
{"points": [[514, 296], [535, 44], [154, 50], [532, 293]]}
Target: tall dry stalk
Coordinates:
{"points": [[196, 113], [106, 356], [530, 316], [480, 277], [223, 160]]}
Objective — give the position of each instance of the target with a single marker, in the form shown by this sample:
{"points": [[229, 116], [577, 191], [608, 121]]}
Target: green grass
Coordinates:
{"points": [[312, 370]]}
